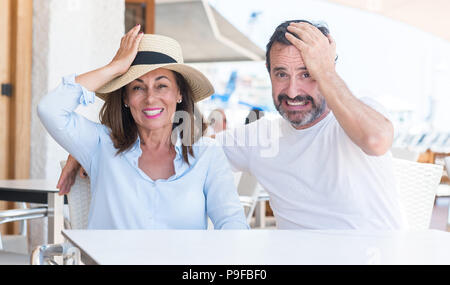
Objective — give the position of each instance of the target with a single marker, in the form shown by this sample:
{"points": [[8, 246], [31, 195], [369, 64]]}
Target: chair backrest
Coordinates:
{"points": [[447, 165], [405, 153], [79, 199], [247, 185], [248, 193], [417, 184]]}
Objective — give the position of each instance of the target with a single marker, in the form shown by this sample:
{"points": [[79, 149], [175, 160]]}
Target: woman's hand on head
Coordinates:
{"points": [[94, 80], [127, 51]]}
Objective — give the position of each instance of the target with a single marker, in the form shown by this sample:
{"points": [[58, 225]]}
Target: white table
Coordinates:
{"points": [[40, 192], [260, 247]]}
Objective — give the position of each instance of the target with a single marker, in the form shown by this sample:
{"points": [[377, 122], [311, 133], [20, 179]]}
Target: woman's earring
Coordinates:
{"points": [[126, 106], [179, 101]]}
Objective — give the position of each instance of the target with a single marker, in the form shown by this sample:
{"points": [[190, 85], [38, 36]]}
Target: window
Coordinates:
{"points": [[140, 12]]}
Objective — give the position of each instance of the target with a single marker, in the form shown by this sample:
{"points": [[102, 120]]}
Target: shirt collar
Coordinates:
{"points": [[178, 147], [135, 152], [286, 126]]}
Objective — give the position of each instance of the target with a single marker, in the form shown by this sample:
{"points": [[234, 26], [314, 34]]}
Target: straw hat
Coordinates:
{"points": [[154, 52]]}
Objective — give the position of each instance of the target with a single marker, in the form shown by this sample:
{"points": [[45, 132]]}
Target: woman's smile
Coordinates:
{"points": [[152, 113]]}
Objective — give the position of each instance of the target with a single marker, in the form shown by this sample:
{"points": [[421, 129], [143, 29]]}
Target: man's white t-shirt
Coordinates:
{"points": [[317, 178]]}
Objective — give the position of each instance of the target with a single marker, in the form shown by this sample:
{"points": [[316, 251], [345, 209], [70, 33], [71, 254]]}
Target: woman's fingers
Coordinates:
{"points": [[127, 52], [132, 35], [138, 39]]}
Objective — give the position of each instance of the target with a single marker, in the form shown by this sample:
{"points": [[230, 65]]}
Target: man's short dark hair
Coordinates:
{"points": [[279, 36]]}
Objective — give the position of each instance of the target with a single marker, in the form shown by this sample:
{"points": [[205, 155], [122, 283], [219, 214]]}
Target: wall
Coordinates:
{"points": [[69, 36]]}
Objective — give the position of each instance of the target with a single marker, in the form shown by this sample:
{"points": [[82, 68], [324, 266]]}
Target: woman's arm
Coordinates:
{"points": [[75, 133], [222, 200]]}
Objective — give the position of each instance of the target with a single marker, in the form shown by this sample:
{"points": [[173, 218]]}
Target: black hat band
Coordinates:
{"points": [[152, 57]]}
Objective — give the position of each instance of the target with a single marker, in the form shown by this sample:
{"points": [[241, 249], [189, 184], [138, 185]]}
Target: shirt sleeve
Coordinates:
{"points": [[222, 200], [76, 134], [376, 106]]}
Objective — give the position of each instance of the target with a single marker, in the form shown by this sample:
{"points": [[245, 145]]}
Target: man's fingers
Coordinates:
{"points": [[58, 186], [308, 31], [83, 173], [66, 185], [331, 40], [295, 41], [315, 32], [63, 190], [301, 32], [61, 181]]}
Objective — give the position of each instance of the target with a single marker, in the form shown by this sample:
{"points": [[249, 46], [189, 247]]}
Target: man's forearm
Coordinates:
{"points": [[72, 164], [367, 128]]}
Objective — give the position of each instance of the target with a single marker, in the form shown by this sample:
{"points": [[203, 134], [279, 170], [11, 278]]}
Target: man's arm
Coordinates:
{"points": [[68, 175], [367, 128]]}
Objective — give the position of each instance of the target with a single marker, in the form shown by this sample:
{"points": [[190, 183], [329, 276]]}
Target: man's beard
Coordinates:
{"points": [[309, 116]]}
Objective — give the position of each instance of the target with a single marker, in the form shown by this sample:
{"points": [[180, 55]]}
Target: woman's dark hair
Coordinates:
{"points": [[279, 36], [124, 131]]}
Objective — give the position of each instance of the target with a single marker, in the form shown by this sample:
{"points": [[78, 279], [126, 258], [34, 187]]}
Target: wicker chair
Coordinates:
{"points": [[417, 184]]}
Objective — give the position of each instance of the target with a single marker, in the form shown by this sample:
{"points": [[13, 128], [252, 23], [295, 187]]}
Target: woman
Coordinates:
{"points": [[147, 171]]}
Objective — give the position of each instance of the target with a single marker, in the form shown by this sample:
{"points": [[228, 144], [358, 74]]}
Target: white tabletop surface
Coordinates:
{"points": [[32, 185], [261, 247]]}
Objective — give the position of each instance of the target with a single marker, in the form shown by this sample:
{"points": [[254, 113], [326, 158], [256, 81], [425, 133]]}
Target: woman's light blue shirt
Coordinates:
{"points": [[123, 196]]}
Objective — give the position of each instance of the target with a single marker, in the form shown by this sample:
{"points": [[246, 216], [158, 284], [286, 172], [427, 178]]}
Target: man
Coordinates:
{"points": [[331, 168], [328, 165]]}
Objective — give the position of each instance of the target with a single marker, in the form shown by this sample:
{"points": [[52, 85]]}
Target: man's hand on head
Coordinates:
{"points": [[318, 51]]}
